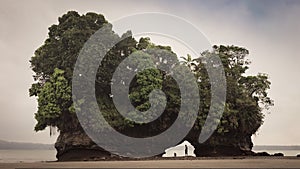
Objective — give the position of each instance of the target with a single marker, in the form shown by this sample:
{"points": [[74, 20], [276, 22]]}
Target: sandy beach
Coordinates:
{"points": [[261, 162]]}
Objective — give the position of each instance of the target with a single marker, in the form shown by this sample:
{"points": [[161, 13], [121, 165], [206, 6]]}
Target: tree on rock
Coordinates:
{"points": [[53, 64], [54, 61], [246, 98]]}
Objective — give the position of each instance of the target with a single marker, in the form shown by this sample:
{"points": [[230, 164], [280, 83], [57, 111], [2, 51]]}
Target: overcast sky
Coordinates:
{"points": [[269, 29]]}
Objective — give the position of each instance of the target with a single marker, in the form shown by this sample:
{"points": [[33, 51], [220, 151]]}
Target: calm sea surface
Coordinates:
{"points": [[9, 156]]}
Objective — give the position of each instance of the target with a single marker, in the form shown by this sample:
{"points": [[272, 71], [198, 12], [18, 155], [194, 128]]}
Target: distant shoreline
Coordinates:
{"points": [[7, 145], [276, 147]]}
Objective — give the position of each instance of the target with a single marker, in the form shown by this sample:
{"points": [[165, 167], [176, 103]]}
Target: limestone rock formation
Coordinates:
{"points": [[74, 146], [77, 145]]}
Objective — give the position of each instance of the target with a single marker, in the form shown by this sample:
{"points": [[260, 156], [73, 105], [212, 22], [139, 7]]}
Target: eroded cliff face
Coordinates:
{"points": [[241, 148], [229, 144], [76, 145]]}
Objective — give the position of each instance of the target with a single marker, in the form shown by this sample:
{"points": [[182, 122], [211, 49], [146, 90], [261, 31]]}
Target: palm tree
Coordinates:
{"points": [[188, 61]]}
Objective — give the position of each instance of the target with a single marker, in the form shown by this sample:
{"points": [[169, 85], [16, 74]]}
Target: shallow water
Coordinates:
{"points": [[8, 156], [11, 156]]}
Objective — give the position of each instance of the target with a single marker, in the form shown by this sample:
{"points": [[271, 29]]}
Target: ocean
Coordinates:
{"points": [[12, 156]]}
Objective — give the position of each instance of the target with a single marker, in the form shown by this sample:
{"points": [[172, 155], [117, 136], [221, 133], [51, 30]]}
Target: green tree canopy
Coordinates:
{"points": [[54, 61], [246, 96]]}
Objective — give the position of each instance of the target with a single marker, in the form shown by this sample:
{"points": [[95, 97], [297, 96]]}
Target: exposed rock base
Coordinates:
{"points": [[77, 146]]}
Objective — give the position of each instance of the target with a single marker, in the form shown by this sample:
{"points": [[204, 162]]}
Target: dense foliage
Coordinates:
{"points": [[54, 61], [246, 96]]}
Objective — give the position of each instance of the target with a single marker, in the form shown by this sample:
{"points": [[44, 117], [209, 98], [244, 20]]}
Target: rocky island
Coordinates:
{"points": [[53, 64]]}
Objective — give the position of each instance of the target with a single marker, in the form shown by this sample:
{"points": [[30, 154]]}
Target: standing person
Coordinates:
{"points": [[186, 150]]}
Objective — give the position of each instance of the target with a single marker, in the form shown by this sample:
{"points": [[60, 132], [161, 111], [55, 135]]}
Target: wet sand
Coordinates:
{"points": [[261, 162]]}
